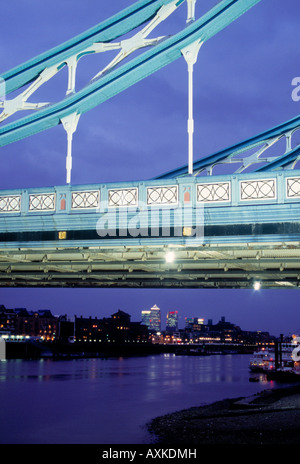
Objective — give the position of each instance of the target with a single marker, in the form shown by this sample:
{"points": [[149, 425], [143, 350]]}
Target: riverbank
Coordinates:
{"points": [[269, 417]]}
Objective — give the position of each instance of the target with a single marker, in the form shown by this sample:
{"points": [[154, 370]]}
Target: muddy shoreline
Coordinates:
{"points": [[269, 417]]}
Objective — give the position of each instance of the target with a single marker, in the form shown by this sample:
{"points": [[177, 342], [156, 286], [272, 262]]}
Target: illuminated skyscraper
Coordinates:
{"points": [[146, 318], [172, 321], [155, 320]]}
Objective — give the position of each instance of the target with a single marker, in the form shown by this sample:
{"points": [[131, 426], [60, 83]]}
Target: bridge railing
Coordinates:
{"points": [[215, 191]]}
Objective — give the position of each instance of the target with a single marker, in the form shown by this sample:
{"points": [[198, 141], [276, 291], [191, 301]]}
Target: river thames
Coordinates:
{"points": [[110, 401]]}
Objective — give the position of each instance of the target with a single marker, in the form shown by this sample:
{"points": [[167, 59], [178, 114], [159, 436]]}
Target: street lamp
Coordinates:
{"points": [[256, 286]]}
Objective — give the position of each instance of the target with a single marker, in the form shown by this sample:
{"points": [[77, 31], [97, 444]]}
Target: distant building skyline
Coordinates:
{"points": [[190, 321], [152, 318], [172, 321]]}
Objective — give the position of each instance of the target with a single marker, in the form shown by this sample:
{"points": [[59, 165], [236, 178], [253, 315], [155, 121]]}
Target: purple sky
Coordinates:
{"points": [[242, 86]]}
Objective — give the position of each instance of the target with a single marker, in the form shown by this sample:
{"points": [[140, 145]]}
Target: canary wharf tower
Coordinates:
{"points": [[155, 319]]}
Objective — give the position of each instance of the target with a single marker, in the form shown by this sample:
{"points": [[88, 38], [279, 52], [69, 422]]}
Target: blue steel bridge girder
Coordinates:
{"points": [[146, 13], [249, 223], [238, 153], [112, 80], [103, 33], [118, 235]]}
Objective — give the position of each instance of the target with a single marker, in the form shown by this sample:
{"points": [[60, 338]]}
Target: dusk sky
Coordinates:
{"points": [[242, 86]]}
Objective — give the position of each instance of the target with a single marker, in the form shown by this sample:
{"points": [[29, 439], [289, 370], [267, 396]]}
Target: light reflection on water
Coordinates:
{"points": [[109, 401]]}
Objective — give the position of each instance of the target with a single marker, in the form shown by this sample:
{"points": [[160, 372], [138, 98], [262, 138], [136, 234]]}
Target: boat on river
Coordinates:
{"points": [[282, 363], [259, 360]]}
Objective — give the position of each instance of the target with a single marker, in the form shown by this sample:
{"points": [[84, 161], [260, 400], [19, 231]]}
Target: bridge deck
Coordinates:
{"points": [[225, 231]]}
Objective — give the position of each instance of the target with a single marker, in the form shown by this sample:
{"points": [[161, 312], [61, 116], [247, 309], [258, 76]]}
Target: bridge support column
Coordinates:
{"points": [[70, 125], [190, 54], [191, 10], [72, 66]]}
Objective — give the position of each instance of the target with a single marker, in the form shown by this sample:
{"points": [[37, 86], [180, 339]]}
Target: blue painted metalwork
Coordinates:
{"points": [[108, 30], [226, 230], [120, 79], [227, 155], [285, 161], [254, 207]]}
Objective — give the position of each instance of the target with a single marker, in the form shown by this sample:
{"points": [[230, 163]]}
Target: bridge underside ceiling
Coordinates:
{"points": [[274, 265]]}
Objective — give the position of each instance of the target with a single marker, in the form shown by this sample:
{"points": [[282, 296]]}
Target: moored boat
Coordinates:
{"points": [[259, 359], [282, 363]]}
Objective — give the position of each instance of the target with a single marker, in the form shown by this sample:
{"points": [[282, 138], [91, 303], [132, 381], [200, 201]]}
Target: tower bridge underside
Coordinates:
{"points": [[238, 265]]}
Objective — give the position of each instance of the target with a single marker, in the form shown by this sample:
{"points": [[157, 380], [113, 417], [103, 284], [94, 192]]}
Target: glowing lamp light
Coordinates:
{"points": [[256, 286], [170, 256]]}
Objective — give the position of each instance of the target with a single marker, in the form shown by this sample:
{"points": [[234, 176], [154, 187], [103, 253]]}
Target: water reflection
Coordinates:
{"points": [[110, 400]]}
